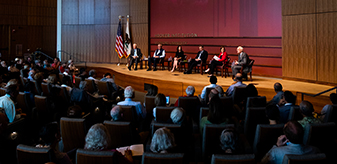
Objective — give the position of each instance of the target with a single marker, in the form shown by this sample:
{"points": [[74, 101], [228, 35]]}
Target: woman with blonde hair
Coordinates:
{"points": [[162, 141]]}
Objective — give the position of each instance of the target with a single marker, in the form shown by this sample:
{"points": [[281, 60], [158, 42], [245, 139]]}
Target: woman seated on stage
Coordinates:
{"points": [[179, 56], [218, 61]]}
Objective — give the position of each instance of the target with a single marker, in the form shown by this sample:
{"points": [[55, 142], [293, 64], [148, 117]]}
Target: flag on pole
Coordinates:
{"points": [[119, 41], [127, 43]]}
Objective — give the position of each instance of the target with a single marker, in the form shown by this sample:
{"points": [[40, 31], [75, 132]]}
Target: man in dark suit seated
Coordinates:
{"points": [[135, 57], [285, 104], [242, 61], [201, 56], [158, 54]]}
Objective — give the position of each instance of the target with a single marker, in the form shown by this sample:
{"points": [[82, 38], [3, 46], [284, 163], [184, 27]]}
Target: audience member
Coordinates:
{"points": [[201, 57], [50, 136], [92, 75], [66, 82], [230, 142], [24, 71], [52, 79], [251, 91], [63, 68], [289, 143], [12, 68], [159, 101], [129, 94], [307, 110], [238, 80], [220, 90], [7, 102], [162, 141], [116, 113], [55, 66], [31, 75], [273, 114], [158, 54], [213, 80], [71, 66], [285, 104], [189, 93], [217, 61], [333, 99], [107, 78], [178, 115], [29, 91], [279, 93], [217, 114], [98, 139], [11, 82], [74, 111]]}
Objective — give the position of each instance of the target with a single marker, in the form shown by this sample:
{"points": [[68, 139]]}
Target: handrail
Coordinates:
{"points": [[314, 95], [72, 56], [40, 52]]}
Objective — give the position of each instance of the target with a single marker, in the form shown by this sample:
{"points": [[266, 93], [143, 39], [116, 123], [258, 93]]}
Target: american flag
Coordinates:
{"points": [[119, 41]]}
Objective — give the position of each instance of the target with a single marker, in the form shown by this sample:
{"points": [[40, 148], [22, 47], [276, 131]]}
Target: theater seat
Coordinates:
{"points": [[304, 159], [73, 132], [120, 133], [233, 159], [29, 155], [95, 157], [162, 158]]}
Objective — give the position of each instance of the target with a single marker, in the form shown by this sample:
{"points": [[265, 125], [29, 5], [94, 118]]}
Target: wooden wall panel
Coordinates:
{"points": [[86, 42], [327, 47], [103, 44], [48, 39], [119, 7], [86, 12], [70, 11], [326, 5], [69, 41], [299, 47], [139, 11], [141, 37], [292, 7], [102, 11]]}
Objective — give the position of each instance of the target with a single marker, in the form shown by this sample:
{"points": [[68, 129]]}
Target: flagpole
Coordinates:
{"points": [[119, 60]]}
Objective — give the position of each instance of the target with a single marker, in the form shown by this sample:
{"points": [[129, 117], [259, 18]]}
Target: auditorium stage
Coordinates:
{"points": [[174, 84]]}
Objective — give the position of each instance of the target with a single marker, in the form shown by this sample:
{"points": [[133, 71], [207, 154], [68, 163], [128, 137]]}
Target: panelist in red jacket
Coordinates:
{"points": [[217, 61]]}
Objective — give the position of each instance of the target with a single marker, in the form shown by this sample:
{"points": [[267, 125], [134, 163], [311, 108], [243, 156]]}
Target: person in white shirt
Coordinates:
{"points": [[7, 102], [158, 54], [213, 84]]}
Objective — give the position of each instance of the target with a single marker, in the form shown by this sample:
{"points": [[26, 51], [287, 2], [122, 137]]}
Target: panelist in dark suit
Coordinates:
{"points": [[201, 56], [158, 54], [242, 61], [135, 56]]}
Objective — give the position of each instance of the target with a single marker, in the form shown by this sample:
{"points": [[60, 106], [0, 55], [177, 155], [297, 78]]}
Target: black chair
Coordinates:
{"points": [[163, 113], [73, 131], [129, 113], [22, 102], [45, 90], [203, 112], [254, 116], [191, 106], [162, 158], [208, 90], [30, 154], [103, 88], [304, 159], [93, 157], [331, 114], [210, 139], [201, 67], [265, 137], [120, 133], [295, 113], [238, 95], [233, 159], [259, 101], [149, 104], [91, 86], [245, 71]]}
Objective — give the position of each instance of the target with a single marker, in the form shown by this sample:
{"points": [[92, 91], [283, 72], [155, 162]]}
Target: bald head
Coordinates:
{"points": [[238, 77], [116, 113], [134, 46], [306, 108]]}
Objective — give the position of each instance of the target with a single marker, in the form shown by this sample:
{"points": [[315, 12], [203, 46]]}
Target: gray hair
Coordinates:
{"points": [[190, 90], [220, 90], [92, 72], [178, 115], [116, 113], [240, 47], [128, 92], [83, 84], [162, 140], [228, 139], [97, 138]]}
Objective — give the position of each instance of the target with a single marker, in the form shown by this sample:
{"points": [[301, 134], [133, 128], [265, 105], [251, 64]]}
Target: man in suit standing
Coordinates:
{"points": [[135, 56], [242, 61], [201, 56], [158, 54]]}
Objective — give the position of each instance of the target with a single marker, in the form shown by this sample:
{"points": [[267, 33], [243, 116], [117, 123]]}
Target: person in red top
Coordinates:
{"points": [[218, 61], [56, 64]]}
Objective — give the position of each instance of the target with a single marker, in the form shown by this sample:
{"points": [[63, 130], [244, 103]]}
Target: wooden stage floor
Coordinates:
{"points": [[174, 84]]}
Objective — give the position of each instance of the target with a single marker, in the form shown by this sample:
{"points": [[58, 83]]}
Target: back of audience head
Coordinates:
{"points": [[251, 90], [220, 91], [306, 108], [116, 113], [213, 80], [129, 92], [162, 141], [97, 138], [213, 94], [217, 113], [273, 114], [294, 132], [11, 82], [74, 112], [229, 140], [238, 77], [66, 80], [190, 91], [92, 73], [52, 79], [333, 98], [278, 87], [83, 85], [12, 90], [177, 115], [152, 90], [38, 77], [160, 100], [289, 97], [107, 75], [50, 134]]}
